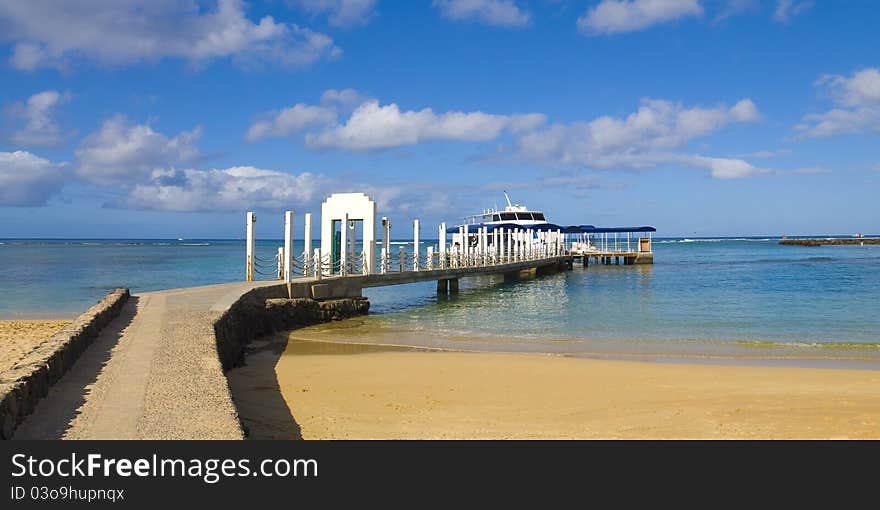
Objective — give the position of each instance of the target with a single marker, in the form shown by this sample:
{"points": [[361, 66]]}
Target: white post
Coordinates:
{"points": [[416, 249], [531, 243], [351, 242], [279, 260], [485, 241], [429, 263], [287, 252], [383, 265], [496, 250], [386, 234], [343, 245], [319, 270], [500, 245], [307, 242], [249, 270], [401, 258], [442, 238], [465, 244]]}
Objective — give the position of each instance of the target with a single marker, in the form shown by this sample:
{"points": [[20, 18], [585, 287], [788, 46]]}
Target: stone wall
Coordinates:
{"points": [[256, 315], [30, 379]]}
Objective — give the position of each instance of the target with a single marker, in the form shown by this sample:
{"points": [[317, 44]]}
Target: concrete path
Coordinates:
{"points": [[153, 373]]}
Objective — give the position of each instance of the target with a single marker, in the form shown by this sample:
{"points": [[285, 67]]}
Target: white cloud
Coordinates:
{"points": [[121, 152], [502, 13], [375, 126], [46, 33], [37, 113], [28, 180], [230, 189], [291, 120], [724, 168], [341, 13], [372, 125], [614, 16], [767, 153], [787, 9], [733, 8], [858, 106], [640, 140], [348, 98]]}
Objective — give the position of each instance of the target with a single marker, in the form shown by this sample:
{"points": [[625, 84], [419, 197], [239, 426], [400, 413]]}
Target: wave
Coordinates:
{"points": [[195, 244]]}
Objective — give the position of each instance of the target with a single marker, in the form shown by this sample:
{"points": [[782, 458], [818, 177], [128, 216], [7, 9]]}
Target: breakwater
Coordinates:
{"points": [[831, 241], [22, 387]]}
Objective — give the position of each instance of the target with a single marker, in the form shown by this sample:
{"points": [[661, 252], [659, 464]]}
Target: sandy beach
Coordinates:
{"points": [[18, 337], [333, 391]]}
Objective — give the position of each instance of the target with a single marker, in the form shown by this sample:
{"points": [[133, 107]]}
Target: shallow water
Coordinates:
{"points": [[709, 298], [702, 297]]}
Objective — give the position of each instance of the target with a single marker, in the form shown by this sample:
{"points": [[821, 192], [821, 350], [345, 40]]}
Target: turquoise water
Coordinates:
{"points": [[728, 295]]}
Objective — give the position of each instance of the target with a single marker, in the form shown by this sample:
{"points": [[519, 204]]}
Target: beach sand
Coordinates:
{"points": [[18, 337], [333, 391]]}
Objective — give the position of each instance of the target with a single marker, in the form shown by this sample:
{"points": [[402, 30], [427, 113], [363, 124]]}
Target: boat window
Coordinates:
{"points": [[496, 217], [539, 216], [508, 216], [523, 216]]}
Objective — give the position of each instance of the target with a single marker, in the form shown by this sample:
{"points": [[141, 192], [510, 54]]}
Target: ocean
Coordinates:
{"points": [[701, 297]]}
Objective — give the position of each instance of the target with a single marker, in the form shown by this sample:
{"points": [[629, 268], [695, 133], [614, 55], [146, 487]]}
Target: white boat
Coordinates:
{"points": [[513, 213]]}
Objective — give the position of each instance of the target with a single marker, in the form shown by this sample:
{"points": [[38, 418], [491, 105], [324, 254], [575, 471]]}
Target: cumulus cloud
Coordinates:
{"points": [[641, 140], [376, 126], [724, 168], [372, 125], [857, 100], [290, 120], [787, 9], [121, 152], [38, 117], [27, 179], [615, 16], [341, 13], [46, 33], [502, 13], [230, 189]]}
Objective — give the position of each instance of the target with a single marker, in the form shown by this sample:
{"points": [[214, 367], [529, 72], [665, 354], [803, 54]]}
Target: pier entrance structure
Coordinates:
{"points": [[341, 214]]}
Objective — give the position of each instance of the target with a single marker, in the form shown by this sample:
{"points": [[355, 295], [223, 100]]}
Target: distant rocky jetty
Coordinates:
{"points": [[831, 241]]}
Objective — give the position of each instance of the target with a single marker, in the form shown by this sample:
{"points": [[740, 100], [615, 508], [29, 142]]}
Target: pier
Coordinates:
{"points": [[343, 265]]}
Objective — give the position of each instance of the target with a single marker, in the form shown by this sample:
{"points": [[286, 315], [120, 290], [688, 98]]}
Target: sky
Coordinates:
{"points": [[172, 118]]}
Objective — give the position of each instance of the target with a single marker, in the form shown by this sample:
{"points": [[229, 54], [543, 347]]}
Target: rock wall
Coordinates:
{"points": [[30, 379], [254, 315]]}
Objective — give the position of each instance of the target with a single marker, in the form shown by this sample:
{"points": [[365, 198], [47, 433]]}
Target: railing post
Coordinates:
{"points": [[287, 252], [319, 270], [429, 263], [343, 245], [416, 249], [401, 258], [249, 247], [307, 244], [279, 263], [383, 264], [442, 239]]}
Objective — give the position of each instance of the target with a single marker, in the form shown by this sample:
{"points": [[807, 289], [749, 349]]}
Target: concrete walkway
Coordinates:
{"points": [[153, 373]]}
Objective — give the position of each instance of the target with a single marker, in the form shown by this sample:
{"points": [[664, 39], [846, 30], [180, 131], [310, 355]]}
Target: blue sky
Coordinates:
{"points": [[171, 118]]}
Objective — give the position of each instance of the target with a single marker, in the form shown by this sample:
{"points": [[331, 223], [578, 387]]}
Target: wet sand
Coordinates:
{"points": [[19, 337], [320, 390]]}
